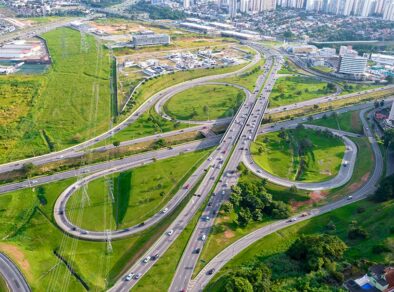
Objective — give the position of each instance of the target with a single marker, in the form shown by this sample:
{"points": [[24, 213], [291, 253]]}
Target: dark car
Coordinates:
{"points": [[155, 257], [197, 250], [211, 271]]}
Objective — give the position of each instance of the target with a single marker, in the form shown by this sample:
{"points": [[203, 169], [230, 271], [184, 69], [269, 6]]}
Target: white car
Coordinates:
{"points": [[164, 210], [170, 232], [203, 237], [129, 277], [147, 259]]}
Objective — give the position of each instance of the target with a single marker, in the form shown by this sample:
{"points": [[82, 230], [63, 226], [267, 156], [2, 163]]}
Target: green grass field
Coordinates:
{"points": [[205, 102], [323, 69], [349, 121], [247, 79], [66, 105], [375, 218], [29, 236], [288, 90], [159, 83], [281, 156], [138, 194]]}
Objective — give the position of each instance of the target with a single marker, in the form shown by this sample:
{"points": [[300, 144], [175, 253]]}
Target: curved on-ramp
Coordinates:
{"points": [[220, 260], [15, 280], [344, 174]]}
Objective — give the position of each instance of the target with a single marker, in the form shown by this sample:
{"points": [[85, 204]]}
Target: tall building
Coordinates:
{"points": [[354, 65], [232, 8], [388, 10], [186, 4], [244, 6]]}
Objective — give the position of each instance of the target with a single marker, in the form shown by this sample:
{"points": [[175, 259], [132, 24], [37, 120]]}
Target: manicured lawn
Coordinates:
{"points": [[281, 157], [293, 89], [66, 105], [138, 194], [247, 79], [351, 88], [323, 69], [205, 102], [375, 218], [349, 121]]}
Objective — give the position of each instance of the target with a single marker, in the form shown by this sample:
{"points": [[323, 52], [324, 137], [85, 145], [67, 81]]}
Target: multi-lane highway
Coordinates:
{"points": [[229, 178], [216, 161], [203, 278], [146, 157]]}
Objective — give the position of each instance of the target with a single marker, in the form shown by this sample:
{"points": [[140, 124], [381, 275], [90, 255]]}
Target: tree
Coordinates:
{"points": [[357, 232], [238, 284], [385, 190], [390, 79], [206, 110], [314, 251], [116, 143], [244, 217], [281, 88], [29, 168], [227, 207], [288, 34]]}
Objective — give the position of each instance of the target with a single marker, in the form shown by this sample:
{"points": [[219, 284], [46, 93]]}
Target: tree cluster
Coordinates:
{"points": [[157, 12], [256, 278], [316, 251], [253, 202], [385, 190]]}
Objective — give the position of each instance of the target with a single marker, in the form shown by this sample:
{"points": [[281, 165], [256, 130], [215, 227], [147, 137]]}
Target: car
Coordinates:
{"points": [[141, 224], [349, 197], [129, 277], [209, 158], [223, 192], [203, 237], [206, 218], [211, 271], [170, 232], [137, 276], [186, 186], [155, 257], [197, 250], [209, 204], [164, 210], [304, 214], [292, 220], [146, 259]]}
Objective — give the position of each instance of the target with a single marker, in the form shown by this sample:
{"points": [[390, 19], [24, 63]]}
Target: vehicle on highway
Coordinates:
{"points": [[155, 257], [350, 197], [164, 210], [203, 237], [292, 219], [186, 186], [206, 218], [137, 276], [170, 232], [146, 259], [129, 277], [197, 250], [211, 271]]}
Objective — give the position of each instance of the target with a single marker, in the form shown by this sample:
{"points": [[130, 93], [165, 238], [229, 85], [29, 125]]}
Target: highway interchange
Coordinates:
{"points": [[214, 177]]}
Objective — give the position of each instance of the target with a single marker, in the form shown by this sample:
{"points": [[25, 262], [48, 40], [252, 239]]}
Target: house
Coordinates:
{"points": [[378, 279]]}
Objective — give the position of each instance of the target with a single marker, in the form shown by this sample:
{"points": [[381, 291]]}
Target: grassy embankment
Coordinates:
{"points": [[205, 102], [138, 194], [66, 105], [303, 155]]}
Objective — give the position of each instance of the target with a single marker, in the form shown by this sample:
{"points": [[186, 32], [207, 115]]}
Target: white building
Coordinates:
{"points": [[351, 64], [383, 59], [144, 40]]}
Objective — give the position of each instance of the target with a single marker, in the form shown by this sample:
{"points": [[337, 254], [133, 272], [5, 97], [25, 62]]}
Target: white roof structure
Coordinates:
{"points": [[391, 115]]}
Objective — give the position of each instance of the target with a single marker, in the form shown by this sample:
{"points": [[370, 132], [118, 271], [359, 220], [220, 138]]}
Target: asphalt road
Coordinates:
{"points": [[214, 173], [229, 178], [13, 277], [344, 174], [145, 157], [202, 279]]}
